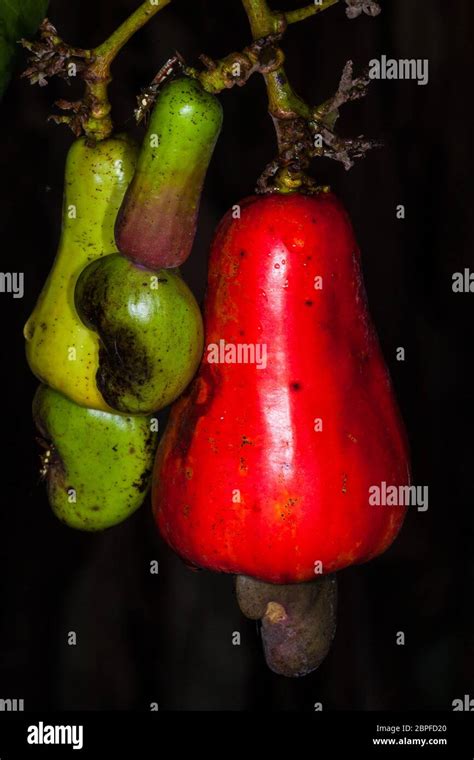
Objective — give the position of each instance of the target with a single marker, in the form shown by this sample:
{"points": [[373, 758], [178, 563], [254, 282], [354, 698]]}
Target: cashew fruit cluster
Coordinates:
{"points": [[284, 418], [115, 336]]}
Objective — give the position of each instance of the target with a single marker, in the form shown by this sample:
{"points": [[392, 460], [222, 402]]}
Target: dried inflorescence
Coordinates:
{"points": [[78, 117], [347, 149], [50, 56], [356, 7], [342, 149], [349, 88], [300, 139]]}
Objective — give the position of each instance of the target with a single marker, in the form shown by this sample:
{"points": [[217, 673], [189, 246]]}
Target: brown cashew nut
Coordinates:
{"points": [[298, 621]]}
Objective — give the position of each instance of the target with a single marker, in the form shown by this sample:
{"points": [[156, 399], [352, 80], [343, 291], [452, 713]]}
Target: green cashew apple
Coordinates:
{"points": [[97, 464], [60, 350], [157, 221], [150, 329]]}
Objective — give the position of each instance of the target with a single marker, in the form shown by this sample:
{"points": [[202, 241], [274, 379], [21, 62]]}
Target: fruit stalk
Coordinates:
{"points": [[284, 105], [296, 123], [106, 52], [300, 14], [236, 68], [97, 76], [52, 57], [283, 101]]}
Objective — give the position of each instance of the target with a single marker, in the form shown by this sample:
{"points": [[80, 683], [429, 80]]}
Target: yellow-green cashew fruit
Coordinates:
{"points": [[60, 350], [97, 465], [150, 329]]}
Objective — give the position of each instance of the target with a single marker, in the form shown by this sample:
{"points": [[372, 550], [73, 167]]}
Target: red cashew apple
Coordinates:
{"points": [[268, 458]]}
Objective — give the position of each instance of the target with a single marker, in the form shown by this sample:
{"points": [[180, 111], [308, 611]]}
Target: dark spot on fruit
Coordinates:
{"points": [[213, 445], [295, 386], [344, 483], [246, 441], [142, 484], [242, 254], [95, 509], [308, 303], [125, 366]]}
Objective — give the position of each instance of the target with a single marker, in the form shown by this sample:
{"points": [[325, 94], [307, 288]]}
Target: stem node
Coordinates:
{"points": [[53, 57]]}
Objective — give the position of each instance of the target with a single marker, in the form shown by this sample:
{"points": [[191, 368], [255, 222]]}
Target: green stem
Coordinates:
{"points": [[263, 21], [300, 14], [106, 52], [282, 100], [97, 77], [287, 109]]}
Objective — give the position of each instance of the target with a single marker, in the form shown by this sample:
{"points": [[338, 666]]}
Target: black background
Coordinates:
{"points": [[168, 638]]}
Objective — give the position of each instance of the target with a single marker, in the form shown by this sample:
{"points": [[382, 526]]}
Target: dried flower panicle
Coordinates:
{"points": [[50, 56], [356, 7], [342, 149]]}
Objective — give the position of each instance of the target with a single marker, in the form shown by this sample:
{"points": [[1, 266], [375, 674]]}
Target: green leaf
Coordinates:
{"points": [[18, 18]]}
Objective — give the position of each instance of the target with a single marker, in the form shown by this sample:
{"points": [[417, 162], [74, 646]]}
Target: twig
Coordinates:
{"points": [[300, 14], [296, 123], [53, 57]]}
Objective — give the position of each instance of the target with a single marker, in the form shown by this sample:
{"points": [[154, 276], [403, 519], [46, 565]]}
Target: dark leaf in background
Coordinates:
{"points": [[18, 18]]}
